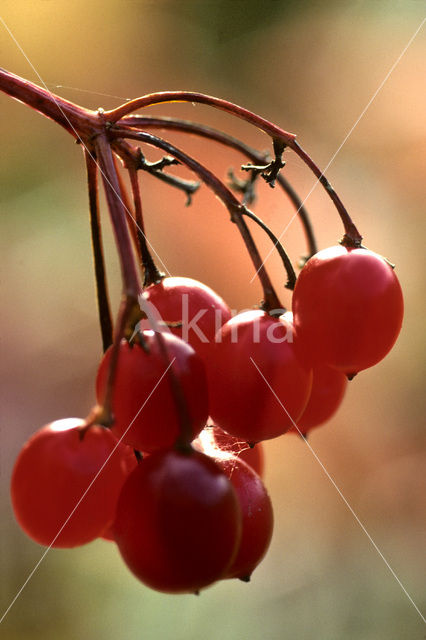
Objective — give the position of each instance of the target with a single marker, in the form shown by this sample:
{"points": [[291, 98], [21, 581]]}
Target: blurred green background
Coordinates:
{"points": [[312, 67]]}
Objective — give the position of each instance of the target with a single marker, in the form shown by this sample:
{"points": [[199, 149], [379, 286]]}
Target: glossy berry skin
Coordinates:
{"points": [[178, 522], [202, 310], [257, 516], [213, 439], [348, 308], [328, 389], [140, 400], [241, 402], [53, 471]]}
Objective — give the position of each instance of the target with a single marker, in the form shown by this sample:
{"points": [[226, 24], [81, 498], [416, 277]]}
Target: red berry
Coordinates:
{"points": [[328, 389], [145, 409], [178, 522], [257, 516], [201, 311], [348, 308], [51, 475], [257, 353]]}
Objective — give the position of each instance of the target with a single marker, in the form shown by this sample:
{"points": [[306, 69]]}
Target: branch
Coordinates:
{"points": [[279, 137], [118, 217], [191, 96], [76, 120], [223, 193], [176, 124]]}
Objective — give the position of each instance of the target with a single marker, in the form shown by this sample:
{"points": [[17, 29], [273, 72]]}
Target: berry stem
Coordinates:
{"points": [[131, 161], [303, 215], [104, 415], [352, 237], [176, 124], [234, 207], [291, 275], [104, 310]]}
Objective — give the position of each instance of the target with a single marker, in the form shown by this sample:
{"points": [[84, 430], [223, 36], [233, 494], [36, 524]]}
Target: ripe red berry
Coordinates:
{"points": [[348, 308], [257, 350], [51, 475], [145, 409], [257, 516], [178, 522], [328, 389], [201, 310]]}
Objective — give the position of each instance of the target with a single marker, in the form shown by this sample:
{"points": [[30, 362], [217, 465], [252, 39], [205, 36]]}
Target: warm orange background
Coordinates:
{"points": [[312, 67]]}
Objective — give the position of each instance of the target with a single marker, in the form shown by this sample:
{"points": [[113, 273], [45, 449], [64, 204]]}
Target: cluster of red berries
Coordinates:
{"points": [[185, 502], [184, 499]]}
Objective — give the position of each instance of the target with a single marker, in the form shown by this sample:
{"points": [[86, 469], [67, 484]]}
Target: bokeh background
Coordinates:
{"points": [[312, 67]]}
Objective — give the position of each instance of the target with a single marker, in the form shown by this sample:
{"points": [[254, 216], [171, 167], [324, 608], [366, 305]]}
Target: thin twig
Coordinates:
{"points": [[291, 275], [104, 310]]}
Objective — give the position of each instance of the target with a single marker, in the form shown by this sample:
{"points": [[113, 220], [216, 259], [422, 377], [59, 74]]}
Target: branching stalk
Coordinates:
{"points": [[176, 124], [118, 217], [271, 300], [352, 236], [191, 96]]}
